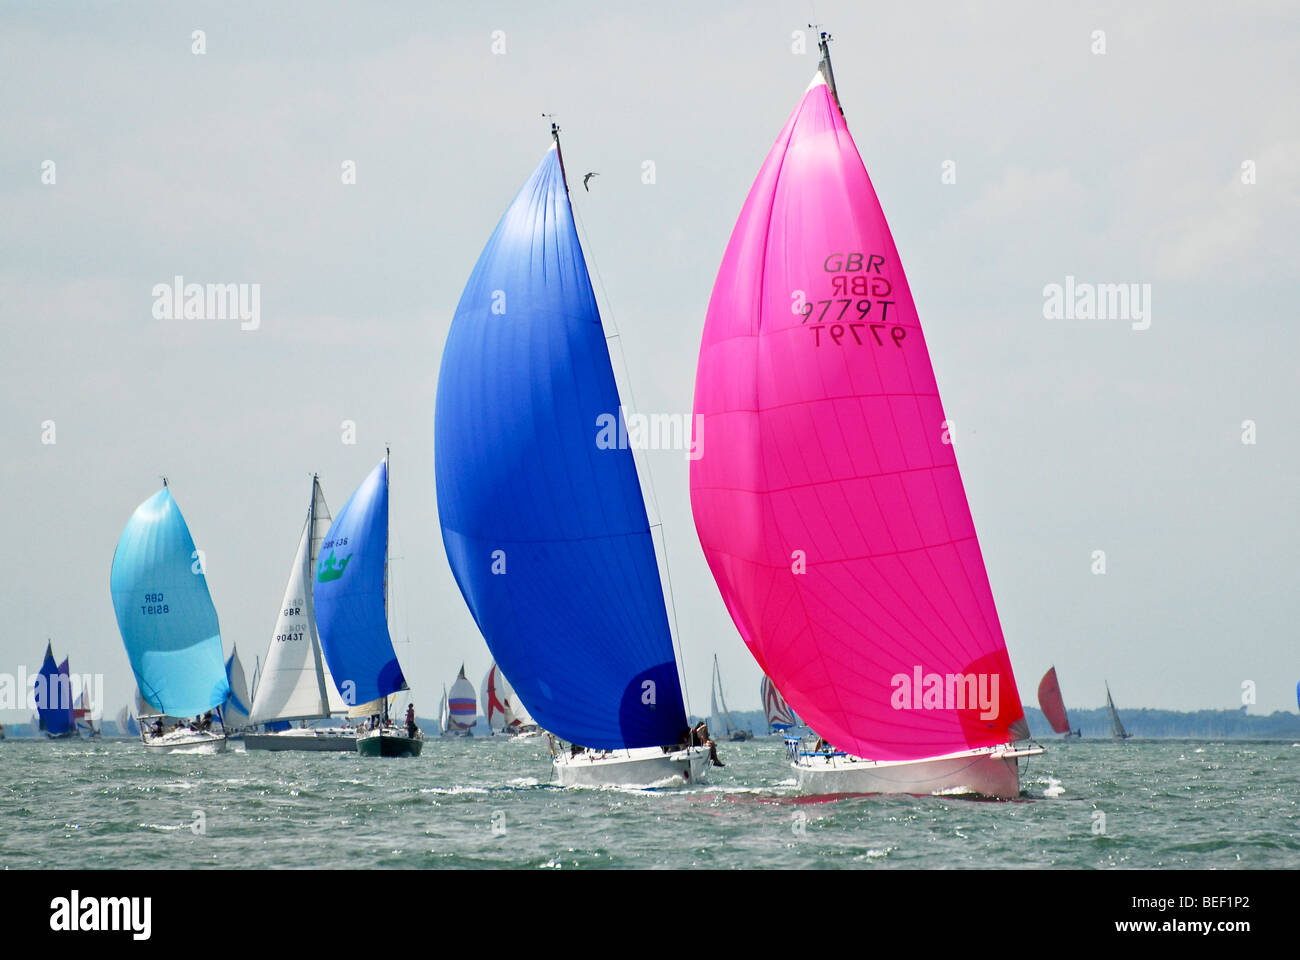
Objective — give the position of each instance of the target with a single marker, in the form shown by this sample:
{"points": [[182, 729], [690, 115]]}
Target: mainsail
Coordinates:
{"points": [[1051, 703], [827, 496], [165, 614], [1116, 726], [461, 708], [541, 510], [53, 690], [351, 596], [779, 716], [296, 682], [720, 720]]}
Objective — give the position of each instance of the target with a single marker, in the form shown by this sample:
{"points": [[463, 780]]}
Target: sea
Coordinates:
{"points": [[488, 803]]}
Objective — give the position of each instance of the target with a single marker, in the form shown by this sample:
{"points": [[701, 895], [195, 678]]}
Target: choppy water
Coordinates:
{"points": [[486, 803]]}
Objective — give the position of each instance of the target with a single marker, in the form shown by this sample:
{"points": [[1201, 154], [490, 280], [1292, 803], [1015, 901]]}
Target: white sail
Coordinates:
{"points": [[517, 714], [295, 683], [501, 705], [443, 716], [142, 709], [369, 709], [720, 722]]}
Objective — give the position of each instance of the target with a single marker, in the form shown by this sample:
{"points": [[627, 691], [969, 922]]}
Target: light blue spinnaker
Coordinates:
{"points": [[544, 526], [351, 612], [165, 614]]}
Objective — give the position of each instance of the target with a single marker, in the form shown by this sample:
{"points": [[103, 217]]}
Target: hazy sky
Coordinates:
{"points": [[1072, 435]]}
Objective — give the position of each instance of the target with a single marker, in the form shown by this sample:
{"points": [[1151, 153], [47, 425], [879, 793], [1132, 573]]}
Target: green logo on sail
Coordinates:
{"points": [[330, 569]]}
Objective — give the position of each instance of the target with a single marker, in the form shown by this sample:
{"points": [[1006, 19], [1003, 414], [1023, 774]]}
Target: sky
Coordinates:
{"points": [[1122, 163]]}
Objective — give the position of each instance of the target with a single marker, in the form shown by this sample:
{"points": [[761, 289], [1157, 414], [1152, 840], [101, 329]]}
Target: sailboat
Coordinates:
{"points": [[83, 713], [542, 514], [462, 710], [1053, 705], [1116, 726], [126, 723], [826, 498], [721, 722], [53, 689], [296, 683], [780, 717], [351, 603], [505, 712], [444, 716], [235, 711], [169, 625]]}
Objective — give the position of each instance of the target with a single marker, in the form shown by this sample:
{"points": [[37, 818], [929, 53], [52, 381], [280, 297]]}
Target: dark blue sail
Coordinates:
{"points": [[165, 614], [53, 697], [351, 618], [544, 526]]}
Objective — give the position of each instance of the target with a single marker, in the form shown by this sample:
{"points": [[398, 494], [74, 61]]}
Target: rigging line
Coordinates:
{"points": [[679, 646]]}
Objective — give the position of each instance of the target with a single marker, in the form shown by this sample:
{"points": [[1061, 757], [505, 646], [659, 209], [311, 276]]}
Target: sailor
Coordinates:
{"points": [[700, 735], [411, 728]]}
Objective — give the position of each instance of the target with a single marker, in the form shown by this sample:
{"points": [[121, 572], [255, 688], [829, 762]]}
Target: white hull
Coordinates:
{"points": [[642, 767], [187, 741], [987, 771], [318, 740]]}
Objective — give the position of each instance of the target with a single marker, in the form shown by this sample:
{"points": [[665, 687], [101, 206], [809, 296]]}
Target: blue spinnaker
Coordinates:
{"points": [[351, 618], [53, 691], [541, 511], [165, 614]]}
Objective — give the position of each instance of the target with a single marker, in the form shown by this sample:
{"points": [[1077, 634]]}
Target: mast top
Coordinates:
{"points": [[555, 136], [824, 65]]}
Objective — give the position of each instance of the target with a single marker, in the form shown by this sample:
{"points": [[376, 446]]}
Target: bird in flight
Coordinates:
{"points": [[586, 178]]}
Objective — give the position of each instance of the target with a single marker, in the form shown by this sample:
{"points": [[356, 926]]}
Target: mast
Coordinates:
{"points": [[555, 135], [387, 526], [824, 65]]}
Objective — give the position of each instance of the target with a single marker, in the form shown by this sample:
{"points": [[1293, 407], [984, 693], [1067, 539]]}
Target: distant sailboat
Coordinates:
{"points": [[168, 624], [444, 715], [296, 683], [542, 513], [235, 711], [1052, 704], [462, 710], [505, 712], [126, 723], [722, 724], [84, 714], [351, 600], [827, 496], [779, 715], [1116, 726], [54, 709]]}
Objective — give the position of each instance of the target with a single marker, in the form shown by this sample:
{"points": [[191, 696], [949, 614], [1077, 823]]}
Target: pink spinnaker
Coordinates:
{"points": [[826, 495]]}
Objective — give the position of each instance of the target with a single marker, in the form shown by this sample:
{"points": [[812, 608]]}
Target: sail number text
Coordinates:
{"points": [[847, 317], [154, 603]]}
